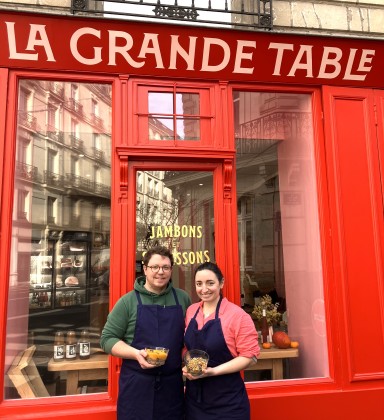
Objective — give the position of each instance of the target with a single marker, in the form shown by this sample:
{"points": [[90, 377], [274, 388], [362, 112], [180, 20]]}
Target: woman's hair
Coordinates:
{"points": [[157, 250], [211, 267]]}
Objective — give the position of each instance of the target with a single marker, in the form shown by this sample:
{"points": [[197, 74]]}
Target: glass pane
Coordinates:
{"points": [[188, 129], [59, 279], [180, 217], [174, 116], [187, 104], [160, 103], [279, 240], [160, 128]]}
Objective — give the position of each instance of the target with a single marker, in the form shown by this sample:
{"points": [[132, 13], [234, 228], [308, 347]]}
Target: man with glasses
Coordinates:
{"points": [[152, 315]]}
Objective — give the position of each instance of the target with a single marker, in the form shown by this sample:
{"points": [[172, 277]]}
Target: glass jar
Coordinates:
{"points": [[70, 345], [84, 345]]}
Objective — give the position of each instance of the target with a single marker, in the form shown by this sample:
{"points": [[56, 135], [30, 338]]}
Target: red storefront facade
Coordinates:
{"points": [[332, 88]]}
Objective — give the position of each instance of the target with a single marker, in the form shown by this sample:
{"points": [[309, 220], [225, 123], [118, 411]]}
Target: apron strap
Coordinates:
{"points": [[138, 298], [218, 307], [175, 296]]}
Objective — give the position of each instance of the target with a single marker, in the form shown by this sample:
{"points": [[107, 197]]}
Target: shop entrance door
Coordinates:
{"points": [[179, 205]]}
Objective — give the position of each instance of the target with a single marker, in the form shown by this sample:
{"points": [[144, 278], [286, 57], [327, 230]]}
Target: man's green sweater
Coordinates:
{"points": [[121, 320]]}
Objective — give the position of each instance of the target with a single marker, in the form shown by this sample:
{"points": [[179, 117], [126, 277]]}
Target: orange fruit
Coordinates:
{"points": [[294, 344], [266, 345]]}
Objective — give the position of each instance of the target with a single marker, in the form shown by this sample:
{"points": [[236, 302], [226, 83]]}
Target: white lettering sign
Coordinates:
{"points": [[37, 36], [100, 46]]}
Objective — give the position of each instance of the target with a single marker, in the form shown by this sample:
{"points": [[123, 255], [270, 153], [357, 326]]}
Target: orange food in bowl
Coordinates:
{"points": [[266, 345], [156, 356], [294, 344]]}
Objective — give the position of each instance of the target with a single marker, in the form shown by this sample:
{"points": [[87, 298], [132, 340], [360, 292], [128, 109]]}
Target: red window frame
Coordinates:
{"points": [[141, 91]]}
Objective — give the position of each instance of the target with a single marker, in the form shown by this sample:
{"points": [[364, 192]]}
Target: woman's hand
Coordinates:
{"points": [[205, 373], [235, 365]]}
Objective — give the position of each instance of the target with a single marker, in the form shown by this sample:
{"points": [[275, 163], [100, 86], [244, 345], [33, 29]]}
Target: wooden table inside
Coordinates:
{"points": [[96, 367], [272, 359]]}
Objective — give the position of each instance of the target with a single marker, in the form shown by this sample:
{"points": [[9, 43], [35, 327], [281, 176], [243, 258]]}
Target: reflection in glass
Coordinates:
{"points": [[59, 277], [160, 103], [187, 104], [179, 215], [188, 129], [174, 116], [279, 240], [161, 128]]}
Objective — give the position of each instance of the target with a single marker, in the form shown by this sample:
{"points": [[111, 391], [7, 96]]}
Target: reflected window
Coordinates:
{"points": [[59, 276], [279, 239]]}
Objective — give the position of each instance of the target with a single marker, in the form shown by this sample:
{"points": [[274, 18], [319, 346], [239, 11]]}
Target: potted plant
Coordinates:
{"points": [[273, 315]]}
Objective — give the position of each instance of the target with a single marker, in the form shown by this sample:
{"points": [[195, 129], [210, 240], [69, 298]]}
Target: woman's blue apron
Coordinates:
{"points": [[158, 393], [215, 397]]}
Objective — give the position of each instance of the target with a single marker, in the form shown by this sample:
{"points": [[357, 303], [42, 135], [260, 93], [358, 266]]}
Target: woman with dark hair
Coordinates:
{"points": [[151, 315], [228, 335]]}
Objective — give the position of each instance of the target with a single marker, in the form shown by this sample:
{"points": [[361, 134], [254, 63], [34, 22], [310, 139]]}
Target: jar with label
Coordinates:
{"points": [[59, 346], [84, 345], [70, 345]]}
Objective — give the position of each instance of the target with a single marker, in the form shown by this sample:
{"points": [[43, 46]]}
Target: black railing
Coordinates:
{"points": [[247, 14], [85, 184], [53, 179], [27, 120], [27, 172], [241, 14]]}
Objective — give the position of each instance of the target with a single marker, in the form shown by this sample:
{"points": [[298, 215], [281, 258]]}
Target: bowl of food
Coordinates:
{"points": [[156, 355], [196, 361]]}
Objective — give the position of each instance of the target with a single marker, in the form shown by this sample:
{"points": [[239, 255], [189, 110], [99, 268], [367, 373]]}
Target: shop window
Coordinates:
{"points": [[279, 239], [75, 165], [24, 100], [59, 275], [175, 115], [51, 210], [76, 142], [53, 123], [22, 204], [139, 182]]}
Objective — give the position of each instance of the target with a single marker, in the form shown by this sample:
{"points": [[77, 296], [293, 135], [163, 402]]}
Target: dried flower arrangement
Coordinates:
{"points": [[273, 316]]}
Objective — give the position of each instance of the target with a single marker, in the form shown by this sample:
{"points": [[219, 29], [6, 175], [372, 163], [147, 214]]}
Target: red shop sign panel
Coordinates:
{"points": [[110, 46]]}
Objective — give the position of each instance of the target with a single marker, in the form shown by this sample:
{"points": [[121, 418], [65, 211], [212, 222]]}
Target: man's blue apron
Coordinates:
{"points": [[215, 397], [158, 393]]}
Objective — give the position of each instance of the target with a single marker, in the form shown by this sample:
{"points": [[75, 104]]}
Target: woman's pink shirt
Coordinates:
{"points": [[239, 330]]}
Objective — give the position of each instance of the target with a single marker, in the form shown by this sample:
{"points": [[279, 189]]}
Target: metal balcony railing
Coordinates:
{"points": [[56, 88], [54, 133], [27, 172], [86, 185], [27, 120], [76, 143], [53, 179], [75, 106], [246, 14], [234, 14], [98, 154]]}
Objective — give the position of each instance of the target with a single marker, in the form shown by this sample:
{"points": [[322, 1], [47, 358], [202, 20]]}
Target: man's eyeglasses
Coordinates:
{"points": [[156, 268]]}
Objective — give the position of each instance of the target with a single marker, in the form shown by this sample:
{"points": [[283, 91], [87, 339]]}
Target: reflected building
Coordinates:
{"points": [[62, 199]]}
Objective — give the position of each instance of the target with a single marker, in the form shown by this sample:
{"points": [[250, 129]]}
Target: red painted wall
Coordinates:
{"points": [[349, 147]]}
